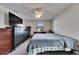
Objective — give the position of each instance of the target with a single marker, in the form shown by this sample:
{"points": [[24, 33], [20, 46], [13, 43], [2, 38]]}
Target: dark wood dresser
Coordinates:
{"points": [[5, 40]]}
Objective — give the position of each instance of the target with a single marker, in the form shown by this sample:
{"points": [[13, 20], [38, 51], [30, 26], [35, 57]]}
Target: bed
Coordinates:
{"points": [[50, 42]]}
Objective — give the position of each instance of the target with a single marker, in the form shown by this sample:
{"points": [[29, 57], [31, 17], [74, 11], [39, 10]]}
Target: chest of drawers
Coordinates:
{"points": [[5, 40]]}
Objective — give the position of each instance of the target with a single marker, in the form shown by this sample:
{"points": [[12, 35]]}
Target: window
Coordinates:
{"points": [[39, 26]]}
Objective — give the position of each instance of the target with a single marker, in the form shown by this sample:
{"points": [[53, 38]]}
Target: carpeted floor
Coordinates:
{"points": [[21, 49]]}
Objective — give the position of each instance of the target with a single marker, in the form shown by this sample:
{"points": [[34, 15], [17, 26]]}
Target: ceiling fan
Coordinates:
{"points": [[38, 12]]}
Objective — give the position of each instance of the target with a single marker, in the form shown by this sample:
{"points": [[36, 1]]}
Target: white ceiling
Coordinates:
{"points": [[51, 10]]}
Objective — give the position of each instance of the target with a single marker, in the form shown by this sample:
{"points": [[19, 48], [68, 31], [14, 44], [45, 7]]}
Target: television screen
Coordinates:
{"points": [[14, 20]]}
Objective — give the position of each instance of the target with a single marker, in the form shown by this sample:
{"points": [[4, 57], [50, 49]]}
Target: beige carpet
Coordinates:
{"points": [[21, 49]]}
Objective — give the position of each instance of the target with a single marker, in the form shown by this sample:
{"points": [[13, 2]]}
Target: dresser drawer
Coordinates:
{"points": [[5, 46], [5, 40]]}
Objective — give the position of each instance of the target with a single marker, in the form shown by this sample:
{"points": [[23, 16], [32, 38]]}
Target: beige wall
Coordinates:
{"points": [[68, 22], [47, 24], [2, 19], [32, 23]]}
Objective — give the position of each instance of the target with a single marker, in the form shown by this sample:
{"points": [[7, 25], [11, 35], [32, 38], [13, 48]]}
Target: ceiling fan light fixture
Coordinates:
{"points": [[38, 13]]}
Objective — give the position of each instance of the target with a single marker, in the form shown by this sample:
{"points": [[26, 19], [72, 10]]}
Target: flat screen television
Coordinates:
{"points": [[14, 20]]}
